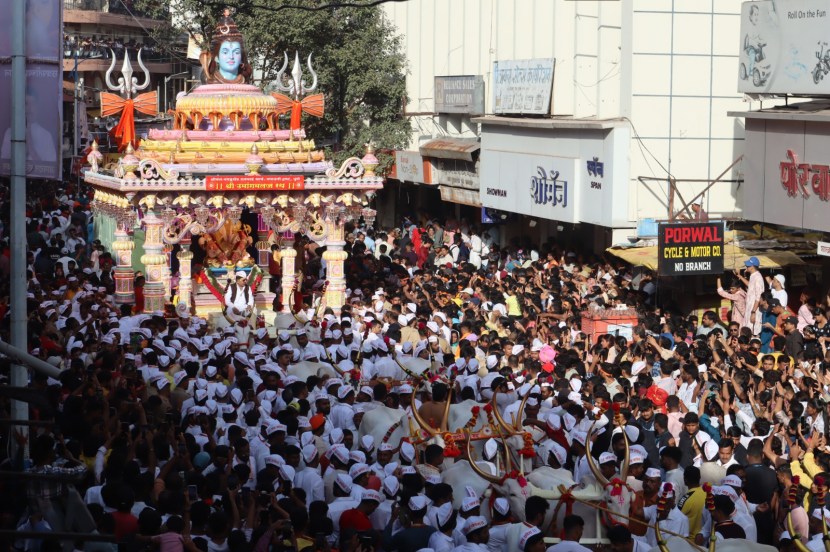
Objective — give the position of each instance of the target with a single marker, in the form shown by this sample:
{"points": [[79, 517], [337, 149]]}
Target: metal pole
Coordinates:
{"points": [[19, 356], [20, 376], [75, 132]]}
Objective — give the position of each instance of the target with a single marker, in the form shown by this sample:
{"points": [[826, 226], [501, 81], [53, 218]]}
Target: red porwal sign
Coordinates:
{"points": [[690, 249], [255, 183]]}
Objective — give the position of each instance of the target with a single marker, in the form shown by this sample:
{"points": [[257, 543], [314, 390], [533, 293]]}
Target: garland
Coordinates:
{"points": [[527, 451], [203, 279], [207, 279]]}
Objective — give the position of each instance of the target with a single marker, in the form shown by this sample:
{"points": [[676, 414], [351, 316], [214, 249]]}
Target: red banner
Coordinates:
{"points": [[253, 183]]}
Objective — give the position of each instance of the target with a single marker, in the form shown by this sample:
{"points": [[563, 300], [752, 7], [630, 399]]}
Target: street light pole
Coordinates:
{"points": [[17, 232], [75, 132], [166, 80]]}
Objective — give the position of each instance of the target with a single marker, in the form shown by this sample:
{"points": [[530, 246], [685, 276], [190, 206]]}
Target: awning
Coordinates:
{"points": [[733, 257], [462, 196], [451, 148]]}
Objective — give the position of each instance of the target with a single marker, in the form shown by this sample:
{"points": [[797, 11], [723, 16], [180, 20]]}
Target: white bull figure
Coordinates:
{"points": [[676, 544], [378, 423], [303, 369]]}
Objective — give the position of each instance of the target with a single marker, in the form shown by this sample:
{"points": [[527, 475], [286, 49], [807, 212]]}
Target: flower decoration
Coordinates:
{"points": [[450, 448], [527, 451]]}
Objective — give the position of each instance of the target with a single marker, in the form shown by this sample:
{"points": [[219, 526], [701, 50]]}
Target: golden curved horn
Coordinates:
{"points": [[520, 416], [508, 460], [486, 476], [795, 536], [425, 426], [627, 459], [661, 542], [509, 428], [591, 464]]}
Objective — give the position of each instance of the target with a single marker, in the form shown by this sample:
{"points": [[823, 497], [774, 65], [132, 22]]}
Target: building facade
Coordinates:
{"points": [[639, 89], [93, 29]]}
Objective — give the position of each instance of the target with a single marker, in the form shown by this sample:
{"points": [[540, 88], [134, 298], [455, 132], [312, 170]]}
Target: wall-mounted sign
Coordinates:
{"points": [[596, 172], [690, 249], [411, 167], [456, 173], [802, 178], [787, 164], [523, 86], [461, 196], [535, 185], [462, 94], [823, 249], [253, 183], [784, 47]]}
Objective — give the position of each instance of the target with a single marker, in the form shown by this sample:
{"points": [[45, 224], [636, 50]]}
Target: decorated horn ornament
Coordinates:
{"points": [[486, 476], [591, 462]]}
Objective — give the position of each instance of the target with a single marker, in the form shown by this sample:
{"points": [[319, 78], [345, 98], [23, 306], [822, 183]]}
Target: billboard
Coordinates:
{"points": [[523, 87], [784, 47], [690, 249], [44, 90]]}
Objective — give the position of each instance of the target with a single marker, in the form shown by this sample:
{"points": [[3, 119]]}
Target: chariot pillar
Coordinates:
{"points": [[288, 259], [124, 276], [185, 257], [335, 259], [154, 261]]}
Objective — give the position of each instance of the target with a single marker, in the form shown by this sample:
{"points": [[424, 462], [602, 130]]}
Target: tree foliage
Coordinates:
{"points": [[356, 52]]}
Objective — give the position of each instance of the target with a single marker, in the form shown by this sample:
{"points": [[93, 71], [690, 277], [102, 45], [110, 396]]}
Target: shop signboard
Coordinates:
{"points": [[523, 86], [459, 94], [530, 184], [784, 47], [788, 165], [456, 173], [690, 249], [410, 167]]}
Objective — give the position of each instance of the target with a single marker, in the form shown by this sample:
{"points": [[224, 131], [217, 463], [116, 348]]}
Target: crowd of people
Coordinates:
{"points": [[164, 432], [99, 46]]}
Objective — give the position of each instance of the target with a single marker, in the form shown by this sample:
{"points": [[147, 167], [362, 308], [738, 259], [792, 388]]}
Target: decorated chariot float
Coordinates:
{"points": [[224, 157]]}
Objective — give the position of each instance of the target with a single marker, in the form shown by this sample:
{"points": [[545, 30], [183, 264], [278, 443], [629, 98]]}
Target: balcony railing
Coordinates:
{"points": [[125, 7], [98, 47]]}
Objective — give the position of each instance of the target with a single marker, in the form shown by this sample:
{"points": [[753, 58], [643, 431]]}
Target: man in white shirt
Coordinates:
{"points": [[572, 527], [239, 305], [672, 519], [687, 392], [308, 478], [342, 502]]}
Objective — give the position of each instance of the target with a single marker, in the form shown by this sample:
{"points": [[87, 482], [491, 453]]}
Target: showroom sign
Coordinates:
{"points": [[534, 185]]}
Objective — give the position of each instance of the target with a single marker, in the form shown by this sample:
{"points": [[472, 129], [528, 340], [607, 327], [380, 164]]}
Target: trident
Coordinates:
{"points": [[127, 83], [122, 101], [296, 88]]}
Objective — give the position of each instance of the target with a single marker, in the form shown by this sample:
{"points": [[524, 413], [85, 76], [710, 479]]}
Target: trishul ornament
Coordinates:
{"points": [[296, 87], [123, 102]]}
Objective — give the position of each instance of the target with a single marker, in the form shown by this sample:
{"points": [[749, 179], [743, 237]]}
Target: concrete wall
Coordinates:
{"points": [[669, 66]]}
